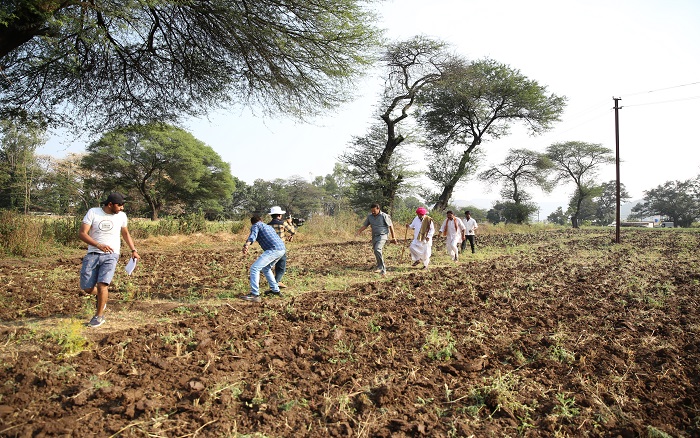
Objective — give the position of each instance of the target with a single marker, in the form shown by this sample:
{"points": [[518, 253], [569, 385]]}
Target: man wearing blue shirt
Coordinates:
{"points": [[273, 250]]}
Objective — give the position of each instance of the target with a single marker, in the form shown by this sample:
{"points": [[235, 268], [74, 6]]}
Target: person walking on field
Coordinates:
{"points": [[102, 229], [273, 250], [282, 228], [453, 230], [470, 227], [381, 227], [423, 230]]}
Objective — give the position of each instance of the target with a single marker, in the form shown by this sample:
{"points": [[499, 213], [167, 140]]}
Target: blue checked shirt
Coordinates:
{"points": [[266, 236]]}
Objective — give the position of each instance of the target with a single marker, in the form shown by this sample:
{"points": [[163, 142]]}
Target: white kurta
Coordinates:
{"points": [[452, 229], [421, 250]]}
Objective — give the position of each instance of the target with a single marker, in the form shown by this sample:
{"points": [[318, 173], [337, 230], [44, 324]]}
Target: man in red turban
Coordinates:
{"points": [[422, 244]]}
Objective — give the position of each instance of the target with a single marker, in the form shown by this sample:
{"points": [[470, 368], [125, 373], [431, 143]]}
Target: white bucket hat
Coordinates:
{"points": [[276, 210]]}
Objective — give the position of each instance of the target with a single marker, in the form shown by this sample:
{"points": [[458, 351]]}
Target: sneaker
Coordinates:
{"points": [[251, 297], [96, 321], [272, 293], [377, 271], [416, 263], [281, 285]]}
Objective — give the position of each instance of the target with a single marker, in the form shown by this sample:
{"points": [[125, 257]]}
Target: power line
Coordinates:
{"points": [[664, 101], [661, 89]]}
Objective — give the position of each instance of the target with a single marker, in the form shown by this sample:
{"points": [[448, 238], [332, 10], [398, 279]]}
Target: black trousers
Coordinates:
{"points": [[470, 238]]}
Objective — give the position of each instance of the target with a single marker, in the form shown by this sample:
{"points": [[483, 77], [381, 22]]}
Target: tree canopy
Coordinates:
{"points": [[520, 168], [163, 164], [478, 100], [677, 200], [19, 166], [113, 63], [579, 162]]}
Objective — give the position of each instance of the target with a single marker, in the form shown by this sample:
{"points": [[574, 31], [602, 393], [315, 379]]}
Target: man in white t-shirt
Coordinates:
{"points": [[470, 227], [102, 229]]}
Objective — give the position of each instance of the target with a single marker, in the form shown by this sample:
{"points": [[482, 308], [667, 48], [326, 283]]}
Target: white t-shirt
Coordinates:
{"points": [[105, 228], [470, 225]]}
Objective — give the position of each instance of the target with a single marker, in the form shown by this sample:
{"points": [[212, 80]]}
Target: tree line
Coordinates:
{"points": [[166, 170], [130, 72]]}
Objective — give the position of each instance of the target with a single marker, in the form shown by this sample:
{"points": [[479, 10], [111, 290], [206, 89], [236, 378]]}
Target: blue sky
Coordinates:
{"points": [[645, 52]]}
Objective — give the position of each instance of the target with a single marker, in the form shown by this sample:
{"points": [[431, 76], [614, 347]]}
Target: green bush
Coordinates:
{"points": [[63, 230], [20, 235]]}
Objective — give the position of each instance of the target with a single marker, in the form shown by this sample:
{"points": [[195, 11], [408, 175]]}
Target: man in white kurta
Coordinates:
{"points": [[453, 230], [421, 247]]}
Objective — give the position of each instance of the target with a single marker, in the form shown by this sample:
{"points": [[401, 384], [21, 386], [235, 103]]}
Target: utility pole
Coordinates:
{"points": [[617, 170]]}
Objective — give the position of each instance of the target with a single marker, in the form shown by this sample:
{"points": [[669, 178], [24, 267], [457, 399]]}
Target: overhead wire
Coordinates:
{"points": [[663, 101], [660, 89]]}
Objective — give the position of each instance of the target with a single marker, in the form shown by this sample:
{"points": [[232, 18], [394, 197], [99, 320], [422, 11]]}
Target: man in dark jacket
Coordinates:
{"points": [[282, 228]]}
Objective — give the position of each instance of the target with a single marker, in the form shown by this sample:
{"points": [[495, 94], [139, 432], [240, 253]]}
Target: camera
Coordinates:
{"points": [[297, 221]]}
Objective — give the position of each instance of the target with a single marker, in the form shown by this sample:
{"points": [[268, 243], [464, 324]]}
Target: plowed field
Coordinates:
{"points": [[554, 333]]}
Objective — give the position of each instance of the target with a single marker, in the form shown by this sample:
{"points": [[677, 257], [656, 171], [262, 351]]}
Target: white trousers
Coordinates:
{"points": [[421, 251]]}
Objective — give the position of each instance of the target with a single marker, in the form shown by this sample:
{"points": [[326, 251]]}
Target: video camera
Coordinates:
{"points": [[297, 221]]}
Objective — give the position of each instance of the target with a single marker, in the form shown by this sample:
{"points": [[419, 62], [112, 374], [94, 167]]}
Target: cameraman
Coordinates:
{"points": [[282, 228]]}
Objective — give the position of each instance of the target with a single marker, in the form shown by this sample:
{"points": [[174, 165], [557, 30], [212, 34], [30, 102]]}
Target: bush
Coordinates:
{"points": [[20, 235]]}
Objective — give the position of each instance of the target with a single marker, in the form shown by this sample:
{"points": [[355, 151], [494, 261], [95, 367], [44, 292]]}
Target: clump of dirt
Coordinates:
{"points": [[566, 334]]}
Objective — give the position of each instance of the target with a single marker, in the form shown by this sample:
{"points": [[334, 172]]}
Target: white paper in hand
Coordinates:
{"points": [[129, 268]]}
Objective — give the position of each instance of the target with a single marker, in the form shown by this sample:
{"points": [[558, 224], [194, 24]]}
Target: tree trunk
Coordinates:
{"points": [[450, 185], [574, 220], [30, 24], [389, 183]]}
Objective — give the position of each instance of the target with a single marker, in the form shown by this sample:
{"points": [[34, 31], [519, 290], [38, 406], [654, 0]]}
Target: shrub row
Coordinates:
{"points": [[25, 236]]}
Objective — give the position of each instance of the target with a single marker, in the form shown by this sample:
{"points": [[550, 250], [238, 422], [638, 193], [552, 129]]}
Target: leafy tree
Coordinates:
{"points": [[495, 214], [677, 200], [587, 207], [263, 196], [19, 168], [558, 216], [518, 212], [412, 65], [164, 164], [237, 204], [479, 100], [113, 63], [295, 195], [441, 169], [606, 202], [60, 188], [511, 212], [360, 161], [336, 189], [579, 162], [299, 197], [520, 168]]}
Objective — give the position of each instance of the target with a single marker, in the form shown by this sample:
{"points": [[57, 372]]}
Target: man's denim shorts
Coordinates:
{"points": [[97, 268]]}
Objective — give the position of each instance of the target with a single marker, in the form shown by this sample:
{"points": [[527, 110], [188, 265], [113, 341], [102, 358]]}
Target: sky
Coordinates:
{"points": [[645, 52]]}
